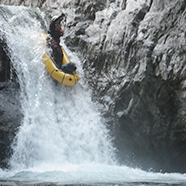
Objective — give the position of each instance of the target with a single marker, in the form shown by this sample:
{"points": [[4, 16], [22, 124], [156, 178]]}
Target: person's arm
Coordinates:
{"points": [[58, 29]]}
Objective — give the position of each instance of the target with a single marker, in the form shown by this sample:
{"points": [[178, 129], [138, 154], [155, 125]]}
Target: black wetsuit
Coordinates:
{"points": [[56, 32]]}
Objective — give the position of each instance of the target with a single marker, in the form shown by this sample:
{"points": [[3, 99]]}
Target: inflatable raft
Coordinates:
{"points": [[58, 74]]}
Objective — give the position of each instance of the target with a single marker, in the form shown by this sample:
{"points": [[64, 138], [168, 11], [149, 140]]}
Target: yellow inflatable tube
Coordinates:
{"points": [[58, 74]]}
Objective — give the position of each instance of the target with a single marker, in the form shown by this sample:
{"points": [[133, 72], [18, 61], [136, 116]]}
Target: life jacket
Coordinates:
{"points": [[55, 31]]}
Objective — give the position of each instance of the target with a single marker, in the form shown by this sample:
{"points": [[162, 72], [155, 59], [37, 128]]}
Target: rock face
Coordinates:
{"points": [[10, 112], [133, 55], [134, 60]]}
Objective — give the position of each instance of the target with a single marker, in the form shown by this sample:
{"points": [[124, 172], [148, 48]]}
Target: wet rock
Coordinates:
{"points": [[10, 108], [134, 59]]}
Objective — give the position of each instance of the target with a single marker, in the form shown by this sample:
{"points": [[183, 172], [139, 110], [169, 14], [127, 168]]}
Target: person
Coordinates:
{"points": [[55, 33]]}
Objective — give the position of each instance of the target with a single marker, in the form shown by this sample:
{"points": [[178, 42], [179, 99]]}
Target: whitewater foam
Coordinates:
{"points": [[60, 123]]}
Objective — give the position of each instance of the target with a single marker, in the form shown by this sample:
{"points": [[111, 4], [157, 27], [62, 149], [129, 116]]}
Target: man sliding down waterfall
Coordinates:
{"points": [[55, 33]]}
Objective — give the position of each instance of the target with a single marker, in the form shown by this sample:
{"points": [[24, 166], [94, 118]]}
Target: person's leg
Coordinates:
{"points": [[54, 53], [59, 56]]}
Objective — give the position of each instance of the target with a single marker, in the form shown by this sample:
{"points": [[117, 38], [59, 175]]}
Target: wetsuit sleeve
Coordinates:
{"points": [[58, 29]]}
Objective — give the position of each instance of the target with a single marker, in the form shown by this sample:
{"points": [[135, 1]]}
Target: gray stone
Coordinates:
{"points": [[10, 109]]}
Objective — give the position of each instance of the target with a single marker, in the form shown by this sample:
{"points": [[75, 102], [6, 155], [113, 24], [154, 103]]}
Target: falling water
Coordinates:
{"points": [[60, 125]]}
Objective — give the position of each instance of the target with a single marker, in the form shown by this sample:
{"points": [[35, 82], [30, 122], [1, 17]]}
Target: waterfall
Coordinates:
{"points": [[60, 125]]}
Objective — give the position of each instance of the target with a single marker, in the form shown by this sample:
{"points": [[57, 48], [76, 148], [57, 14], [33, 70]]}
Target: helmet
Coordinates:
{"points": [[60, 17], [54, 18]]}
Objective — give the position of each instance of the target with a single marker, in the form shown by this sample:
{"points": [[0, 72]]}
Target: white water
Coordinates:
{"points": [[62, 137]]}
